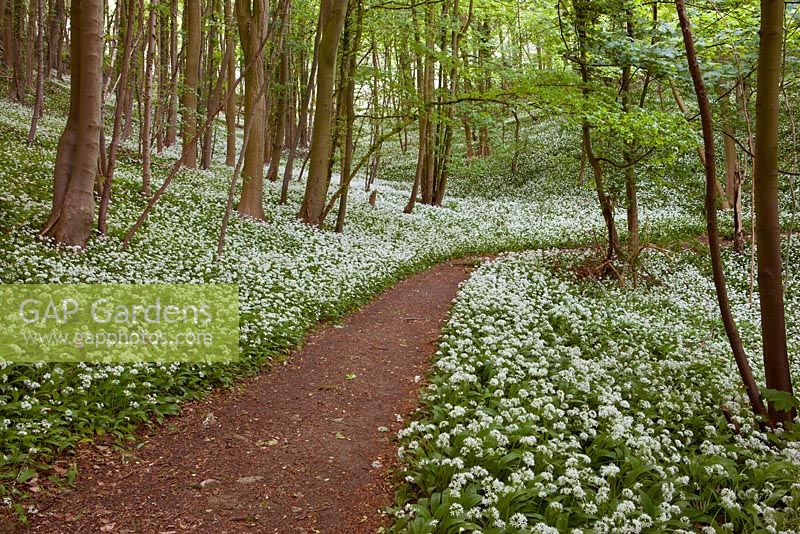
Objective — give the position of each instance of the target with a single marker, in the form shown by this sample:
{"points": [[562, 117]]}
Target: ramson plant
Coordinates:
{"points": [[560, 405]]}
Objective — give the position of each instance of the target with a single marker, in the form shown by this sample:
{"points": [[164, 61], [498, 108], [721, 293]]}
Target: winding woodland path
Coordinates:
{"points": [[300, 448]]}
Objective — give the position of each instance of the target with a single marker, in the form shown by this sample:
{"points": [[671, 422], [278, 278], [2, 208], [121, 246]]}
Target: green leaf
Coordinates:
{"points": [[780, 400], [25, 475]]}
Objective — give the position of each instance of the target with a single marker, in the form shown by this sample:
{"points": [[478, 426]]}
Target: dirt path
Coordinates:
{"points": [[302, 448]]}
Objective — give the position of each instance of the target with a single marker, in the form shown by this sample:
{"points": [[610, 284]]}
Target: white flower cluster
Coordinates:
{"points": [[290, 276], [585, 406]]}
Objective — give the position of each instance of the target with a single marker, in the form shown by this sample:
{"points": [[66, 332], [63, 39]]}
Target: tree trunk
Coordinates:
{"points": [[627, 154], [302, 115], [252, 28], [212, 106], [230, 74], [70, 222], [470, 152], [40, 70], [333, 15], [709, 160], [191, 79], [484, 53], [447, 142], [767, 208], [60, 43], [376, 123], [135, 26], [30, 44], [123, 89], [6, 27], [733, 174], [427, 95], [162, 103], [517, 147], [729, 146], [349, 113], [282, 104], [172, 113], [17, 51], [424, 117], [606, 207], [148, 98], [57, 17]]}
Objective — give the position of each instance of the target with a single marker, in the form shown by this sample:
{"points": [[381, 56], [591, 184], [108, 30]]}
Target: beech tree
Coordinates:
{"points": [[230, 76], [767, 208], [191, 80], [252, 19], [332, 22], [773, 327], [70, 221]]}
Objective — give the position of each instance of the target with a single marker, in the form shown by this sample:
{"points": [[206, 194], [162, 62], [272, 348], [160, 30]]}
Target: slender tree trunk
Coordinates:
{"points": [[412, 200], [191, 79], [282, 103], [17, 51], [135, 74], [767, 207], [428, 90], [291, 100], [148, 98], [630, 171], [162, 102], [333, 15], [376, 123], [57, 17], [349, 113], [114, 30], [172, 113], [606, 206], [70, 222], [211, 106], [470, 152], [38, 105], [306, 78], [424, 117], [6, 29], [709, 159], [733, 174], [122, 94], [517, 147], [729, 148], [302, 116], [30, 44], [453, 89], [230, 74], [484, 140], [60, 42]]}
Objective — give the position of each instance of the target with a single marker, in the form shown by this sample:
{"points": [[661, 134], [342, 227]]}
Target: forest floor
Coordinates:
{"points": [[305, 447]]}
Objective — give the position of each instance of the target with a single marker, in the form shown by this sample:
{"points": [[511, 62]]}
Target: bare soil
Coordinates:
{"points": [[306, 447]]}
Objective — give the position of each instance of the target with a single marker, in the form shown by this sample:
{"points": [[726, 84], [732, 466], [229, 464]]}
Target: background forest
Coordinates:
{"points": [[624, 365]]}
